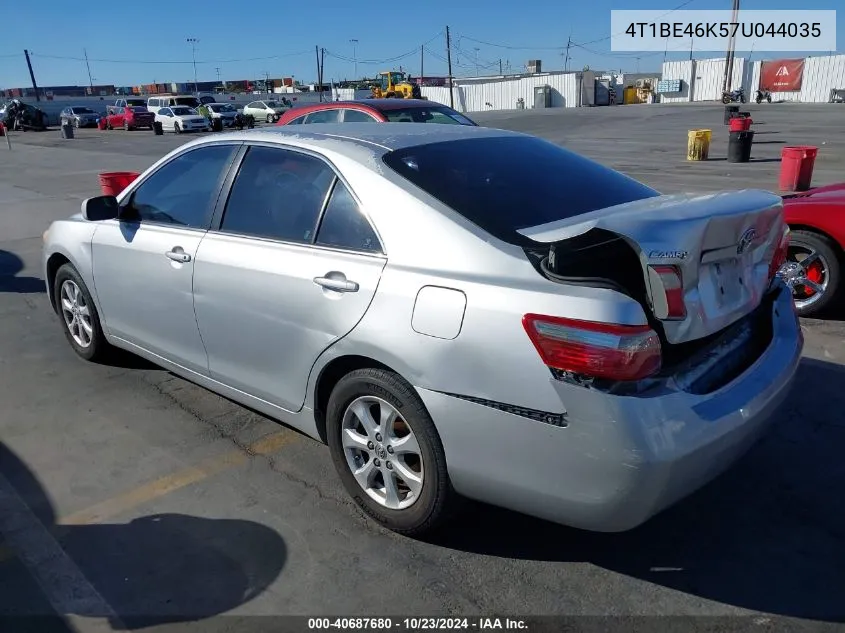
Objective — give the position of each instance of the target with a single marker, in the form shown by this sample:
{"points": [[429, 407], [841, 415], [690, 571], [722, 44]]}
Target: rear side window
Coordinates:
{"points": [[322, 116], [358, 116], [504, 184], [344, 226], [432, 114]]}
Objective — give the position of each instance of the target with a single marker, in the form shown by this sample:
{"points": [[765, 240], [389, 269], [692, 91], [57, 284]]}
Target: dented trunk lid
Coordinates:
{"points": [[722, 244]]}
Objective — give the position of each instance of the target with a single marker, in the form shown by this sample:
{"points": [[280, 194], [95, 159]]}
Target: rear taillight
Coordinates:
{"points": [[668, 293], [600, 350], [781, 252]]}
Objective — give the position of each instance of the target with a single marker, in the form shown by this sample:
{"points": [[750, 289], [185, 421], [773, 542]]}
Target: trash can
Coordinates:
{"points": [[217, 124], [731, 112], [740, 124], [739, 146], [113, 182], [796, 167], [158, 128], [698, 144], [67, 130]]}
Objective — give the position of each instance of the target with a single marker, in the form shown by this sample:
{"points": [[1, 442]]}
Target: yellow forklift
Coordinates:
{"points": [[395, 85]]}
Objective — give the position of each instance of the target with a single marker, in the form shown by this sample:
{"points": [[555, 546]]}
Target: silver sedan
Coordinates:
{"points": [[457, 312]]}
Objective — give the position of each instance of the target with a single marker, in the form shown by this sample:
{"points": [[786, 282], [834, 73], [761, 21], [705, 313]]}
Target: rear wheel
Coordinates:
{"points": [[769, 99], [812, 271], [387, 451]]}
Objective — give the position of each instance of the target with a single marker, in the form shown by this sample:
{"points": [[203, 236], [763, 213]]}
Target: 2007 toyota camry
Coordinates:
{"points": [[456, 311]]}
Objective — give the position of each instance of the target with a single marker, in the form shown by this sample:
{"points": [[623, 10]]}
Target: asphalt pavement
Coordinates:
{"points": [[131, 498]]}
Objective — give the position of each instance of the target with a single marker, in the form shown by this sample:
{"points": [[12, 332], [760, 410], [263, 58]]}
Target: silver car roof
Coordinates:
{"points": [[379, 138]]}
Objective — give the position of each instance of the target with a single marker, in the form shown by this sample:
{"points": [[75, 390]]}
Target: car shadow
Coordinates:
{"points": [[10, 266], [768, 535], [154, 570]]}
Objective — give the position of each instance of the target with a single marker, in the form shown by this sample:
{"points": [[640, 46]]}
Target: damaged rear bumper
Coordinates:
{"points": [[620, 459]]}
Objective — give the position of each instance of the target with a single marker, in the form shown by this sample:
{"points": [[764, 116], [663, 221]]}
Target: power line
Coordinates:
{"points": [[386, 60], [168, 61]]}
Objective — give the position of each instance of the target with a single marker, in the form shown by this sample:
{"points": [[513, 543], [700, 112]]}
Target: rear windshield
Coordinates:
{"points": [[82, 110], [138, 109], [427, 115], [135, 102], [505, 184]]}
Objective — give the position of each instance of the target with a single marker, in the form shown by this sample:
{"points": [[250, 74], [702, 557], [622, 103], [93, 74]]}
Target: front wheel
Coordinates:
{"points": [[80, 320], [742, 99], [726, 99], [759, 100], [812, 271], [177, 129], [270, 118], [387, 451], [126, 126], [769, 99]]}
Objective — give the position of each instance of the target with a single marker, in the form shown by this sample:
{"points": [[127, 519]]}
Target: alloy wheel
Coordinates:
{"points": [[806, 274], [382, 452], [76, 314]]}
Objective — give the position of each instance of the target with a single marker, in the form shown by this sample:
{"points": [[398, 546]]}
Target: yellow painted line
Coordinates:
{"points": [[165, 485]]}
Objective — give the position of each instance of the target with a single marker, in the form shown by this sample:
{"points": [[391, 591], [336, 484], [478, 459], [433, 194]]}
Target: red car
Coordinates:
{"points": [[813, 270], [129, 118], [375, 111]]}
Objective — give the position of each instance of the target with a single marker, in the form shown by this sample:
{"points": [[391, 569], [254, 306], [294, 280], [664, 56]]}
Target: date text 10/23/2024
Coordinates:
{"points": [[417, 624]]}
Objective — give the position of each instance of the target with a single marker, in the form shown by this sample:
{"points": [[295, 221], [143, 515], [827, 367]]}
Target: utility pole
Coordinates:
{"points": [[729, 58], [217, 69], [87, 65], [31, 75], [448, 62], [354, 43], [691, 42], [319, 78], [323, 69], [500, 66], [422, 57], [193, 42], [477, 72], [566, 61]]}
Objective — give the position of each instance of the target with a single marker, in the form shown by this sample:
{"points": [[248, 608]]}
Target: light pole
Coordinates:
{"points": [[193, 42], [354, 43], [477, 72]]}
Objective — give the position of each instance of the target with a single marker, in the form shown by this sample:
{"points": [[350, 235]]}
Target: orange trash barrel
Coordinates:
{"points": [[113, 182], [796, 167]]}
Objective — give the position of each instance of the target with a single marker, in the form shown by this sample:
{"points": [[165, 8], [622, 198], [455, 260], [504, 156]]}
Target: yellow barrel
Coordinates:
{"points": [[698, 144]]}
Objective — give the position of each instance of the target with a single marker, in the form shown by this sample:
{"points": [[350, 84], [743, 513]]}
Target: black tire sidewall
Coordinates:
{"points": [[429, 508], [834, 270], [98, 341]]}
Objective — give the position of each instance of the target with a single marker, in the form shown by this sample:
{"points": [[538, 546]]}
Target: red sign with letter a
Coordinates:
{"points": [[782, 75]]}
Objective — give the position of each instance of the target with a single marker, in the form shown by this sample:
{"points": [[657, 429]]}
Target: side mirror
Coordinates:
{"points": [[100, 208]]}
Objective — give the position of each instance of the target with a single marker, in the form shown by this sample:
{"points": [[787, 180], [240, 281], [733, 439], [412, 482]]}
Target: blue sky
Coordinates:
{"points": [[130, 43]]}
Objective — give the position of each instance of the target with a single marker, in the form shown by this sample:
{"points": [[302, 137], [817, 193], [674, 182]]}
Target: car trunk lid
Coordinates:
{"points": [[722, 245]]}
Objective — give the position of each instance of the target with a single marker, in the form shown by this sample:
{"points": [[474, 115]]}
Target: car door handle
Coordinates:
{"points": [[178, 255], [337, 284]]}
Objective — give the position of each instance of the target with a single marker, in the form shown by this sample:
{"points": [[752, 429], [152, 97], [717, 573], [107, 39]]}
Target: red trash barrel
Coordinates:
{"points": [[740, 124], [113, 182], [796, 167]]}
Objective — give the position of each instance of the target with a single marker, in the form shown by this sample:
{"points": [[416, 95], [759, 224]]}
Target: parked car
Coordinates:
{"points": [[375, 110], [180, 119], [533, 330], [817, 247], [79, 116], [268, 111], [26, 118], [129, 118], [224, 111], [154, 104]]}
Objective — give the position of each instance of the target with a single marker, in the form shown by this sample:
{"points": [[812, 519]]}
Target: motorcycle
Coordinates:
{"points": [[763, 94], [734, 95]]}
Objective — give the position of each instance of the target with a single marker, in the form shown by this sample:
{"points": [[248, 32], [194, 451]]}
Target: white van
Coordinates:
{"points": [[154, 104]]}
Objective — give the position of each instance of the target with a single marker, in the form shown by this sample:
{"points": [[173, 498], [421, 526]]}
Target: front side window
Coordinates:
{"points": [[432, 114], [278, 194], [344, 226], [184, 190]]}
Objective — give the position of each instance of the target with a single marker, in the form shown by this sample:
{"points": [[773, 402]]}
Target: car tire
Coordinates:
{"points": [[79, 317], [76, 123], [126, 126], [831, 267], [269, 118], [434, 501], [176, 128]]}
